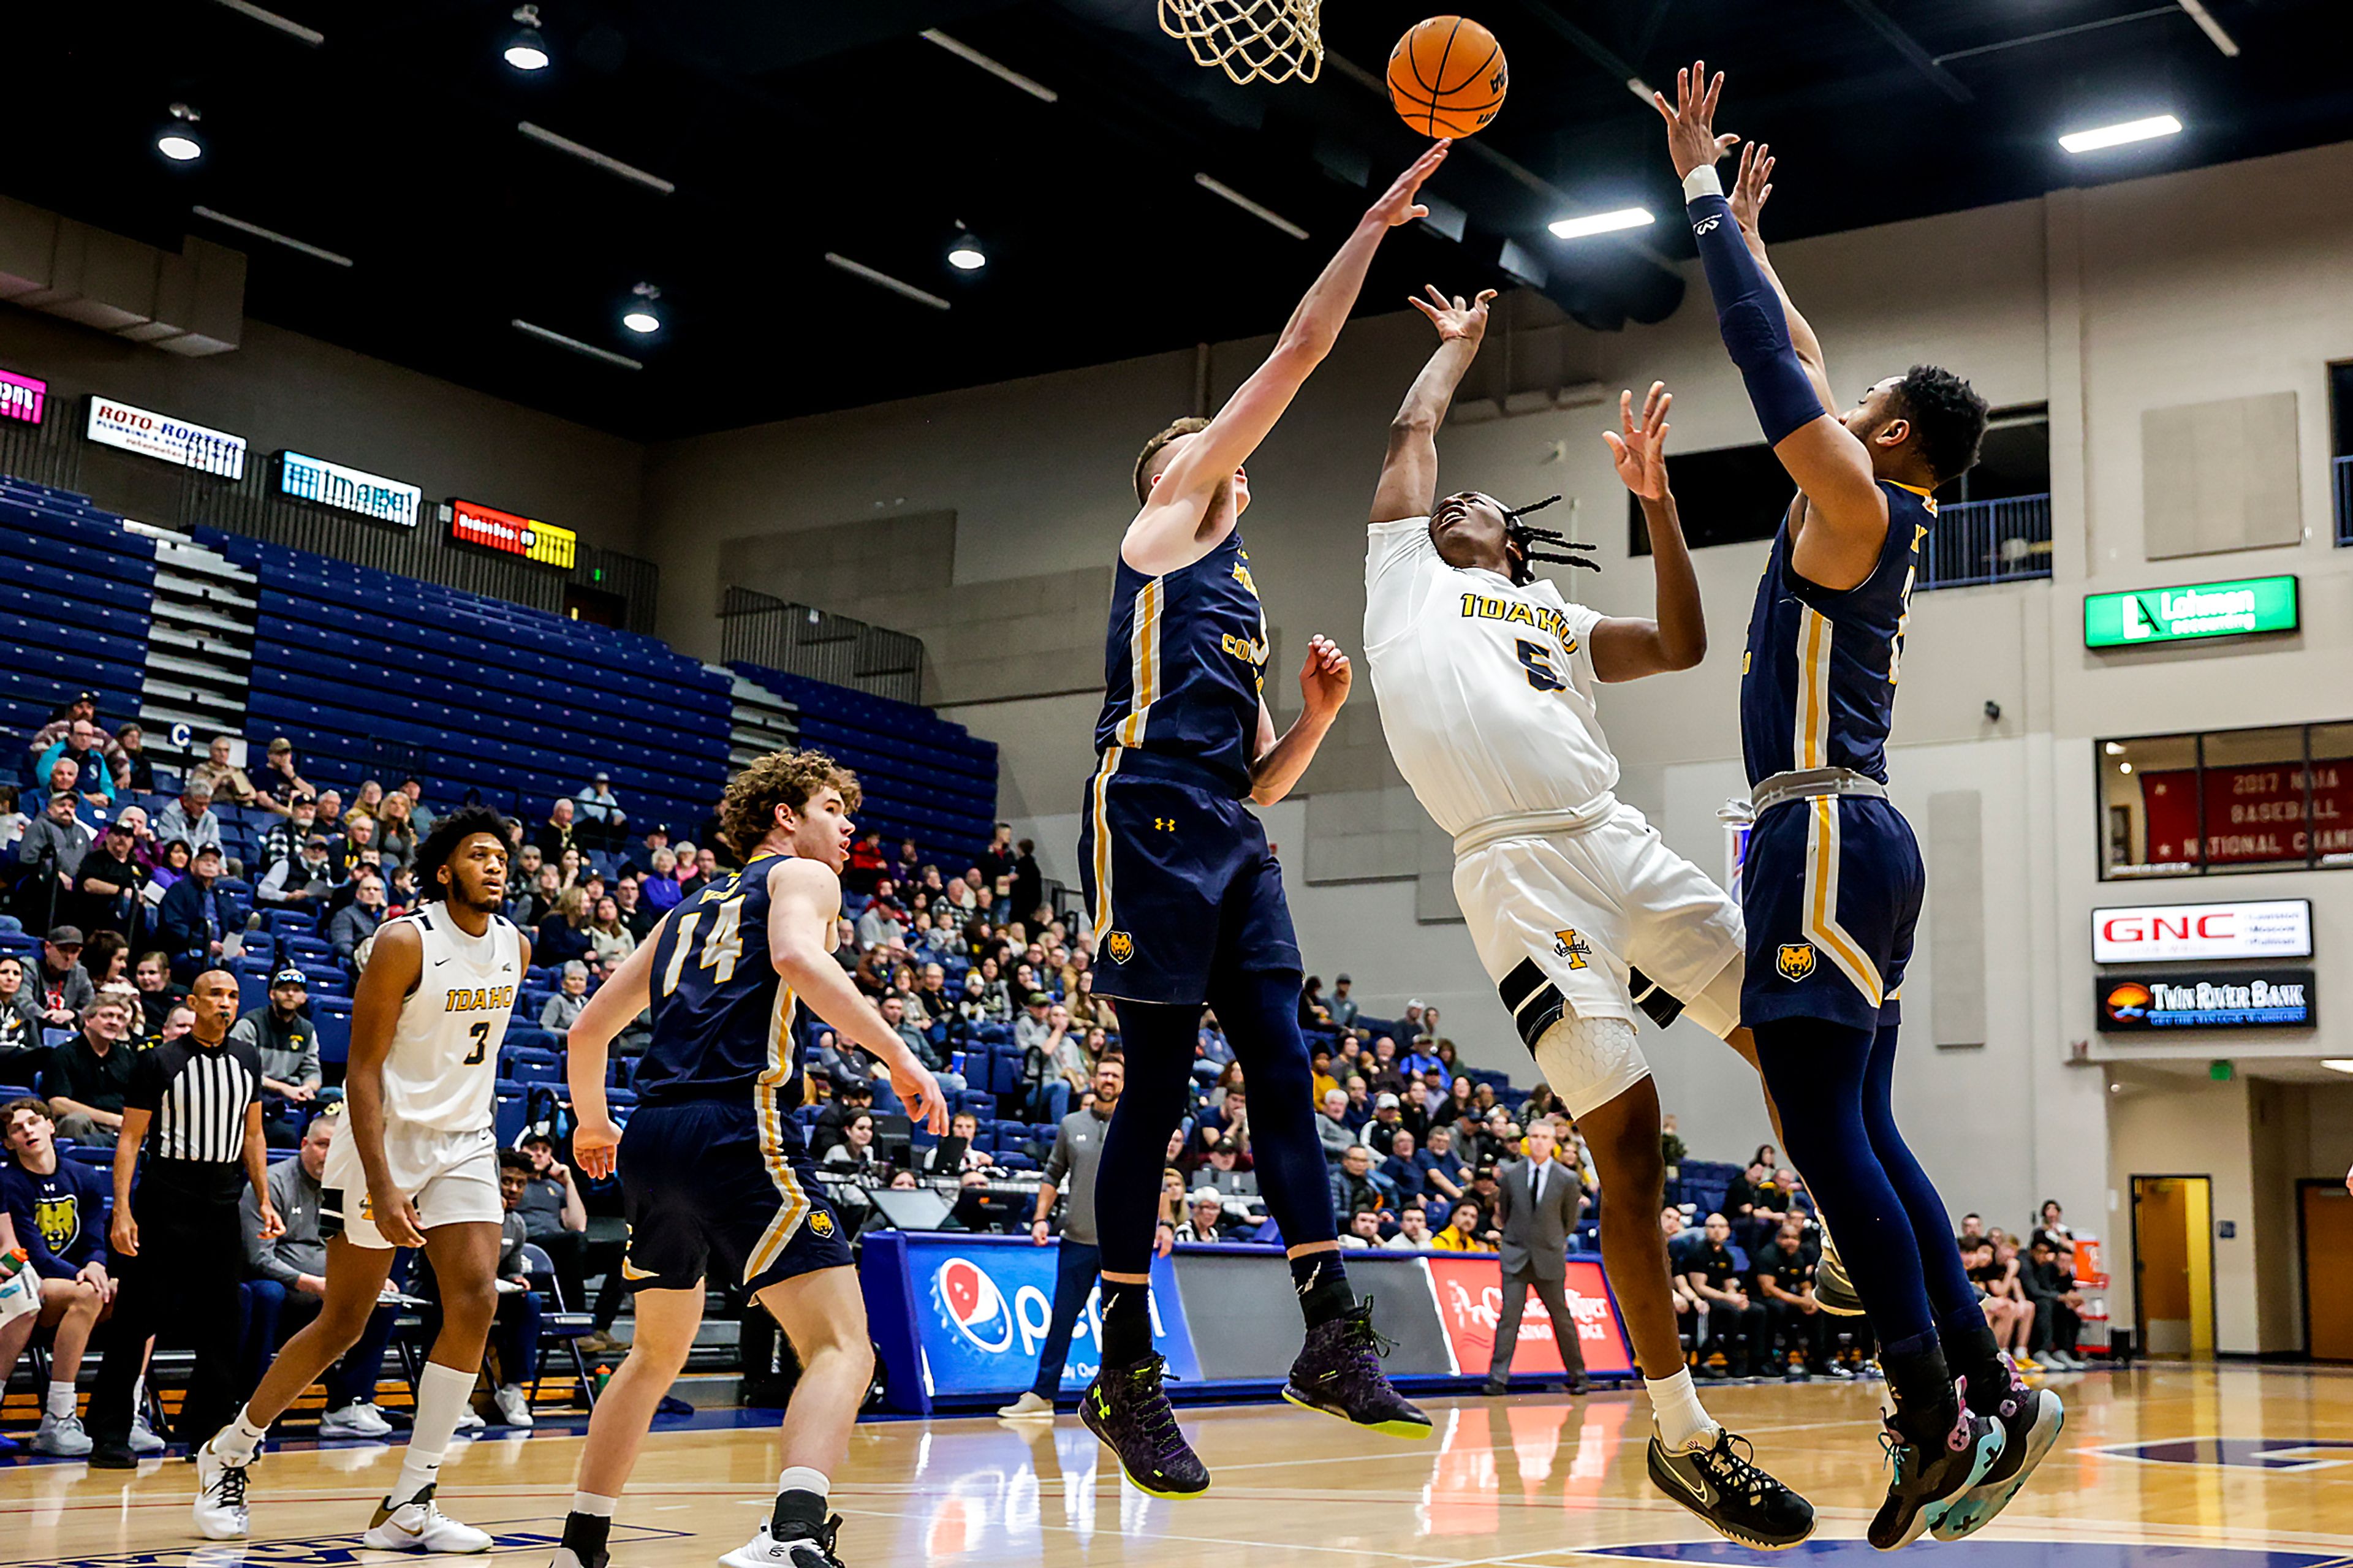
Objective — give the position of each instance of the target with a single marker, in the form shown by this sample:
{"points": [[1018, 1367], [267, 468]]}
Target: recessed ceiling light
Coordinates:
{"points": [[965, 253], [527, 50], [641, 317], [2091, 141], [2114, 748], [1601, 223], [2123, 767], [177, 138]]}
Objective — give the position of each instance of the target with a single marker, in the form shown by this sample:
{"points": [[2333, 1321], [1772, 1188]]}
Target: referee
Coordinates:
{"points": [[198, 1099]]}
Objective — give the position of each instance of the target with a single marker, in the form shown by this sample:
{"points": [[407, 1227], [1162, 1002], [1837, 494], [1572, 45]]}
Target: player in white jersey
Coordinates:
{"points": [[417, 1168], [1486, 678]]}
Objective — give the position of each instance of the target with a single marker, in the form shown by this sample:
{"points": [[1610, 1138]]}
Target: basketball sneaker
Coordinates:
{"points": [[1732, 1496], [1833, 1288], [1930, 1481], [1339, 1373], [2030, 1419], [220, 1495], [769, 1550], [1127, 1408], [420, 1525], [61, 1437]]}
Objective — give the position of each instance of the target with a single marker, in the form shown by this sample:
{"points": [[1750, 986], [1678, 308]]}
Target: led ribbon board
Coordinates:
{"points": [[2249, 999], [2196, 612], [166, 440], [348, 490], [470, 522], [22, 397]]}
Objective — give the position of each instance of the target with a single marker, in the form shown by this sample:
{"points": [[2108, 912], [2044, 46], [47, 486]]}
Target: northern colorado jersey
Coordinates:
{"points": [[722, 1015], [1818, 685], [1486, 689], [1183, 664]]}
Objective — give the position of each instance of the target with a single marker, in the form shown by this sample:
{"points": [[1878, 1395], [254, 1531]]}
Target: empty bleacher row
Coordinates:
{"points": [[924, 777], [366, 672], [76, 588]]}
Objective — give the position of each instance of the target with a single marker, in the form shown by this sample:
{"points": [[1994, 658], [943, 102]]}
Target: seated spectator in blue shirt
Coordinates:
{"points": [[563, 934], [188, 921], [58, 1209], [356, 921], [1422, 1058], [82, 745], [1360, 1102], [603, 823], [1340, 1004], [1404, 1172], [1444, 1172]]}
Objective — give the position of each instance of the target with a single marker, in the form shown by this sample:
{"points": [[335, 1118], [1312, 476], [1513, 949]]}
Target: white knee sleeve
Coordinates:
{"points": [[1589, 1062]]}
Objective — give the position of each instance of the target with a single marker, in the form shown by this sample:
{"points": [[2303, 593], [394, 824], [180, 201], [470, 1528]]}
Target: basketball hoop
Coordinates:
{"points": [[1250, 40]]}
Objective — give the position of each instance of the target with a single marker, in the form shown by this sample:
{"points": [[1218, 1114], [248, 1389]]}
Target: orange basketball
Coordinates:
{"points": [[1447, 77]]}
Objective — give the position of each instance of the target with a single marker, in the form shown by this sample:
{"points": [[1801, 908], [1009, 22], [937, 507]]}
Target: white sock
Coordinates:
{"points": [[61, 1399], [801, 1479], [139, 1397], [593, 1504], [441, 1396], [1676, 1408], [239, 1440]]}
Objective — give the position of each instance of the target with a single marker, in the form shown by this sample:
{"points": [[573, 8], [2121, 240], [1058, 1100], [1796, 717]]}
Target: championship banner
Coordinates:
{"points": [[982, 1312], [2252, 812], [1470, 1290]]}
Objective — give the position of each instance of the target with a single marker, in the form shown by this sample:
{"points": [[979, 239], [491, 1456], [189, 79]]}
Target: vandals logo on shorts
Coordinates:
{"points": [[821, 1223], [367, 1208], [1119, 946], [1567, 944], [1794, 960]]}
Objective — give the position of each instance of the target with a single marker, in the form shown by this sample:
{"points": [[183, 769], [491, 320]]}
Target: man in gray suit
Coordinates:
{"points": [[1537, 1200]]}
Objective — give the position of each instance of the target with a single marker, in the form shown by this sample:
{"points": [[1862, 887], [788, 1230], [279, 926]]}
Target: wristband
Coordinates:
{"points": [[1702, 182]]}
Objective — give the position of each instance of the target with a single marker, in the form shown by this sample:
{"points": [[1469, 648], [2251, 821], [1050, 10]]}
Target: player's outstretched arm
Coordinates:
{"points": [[1627, 647], [1166, 534], [1750, 191], [1828, 462], [1322, 687], [396, 963], [804, 896], [587, 1050], [1409, 485]]}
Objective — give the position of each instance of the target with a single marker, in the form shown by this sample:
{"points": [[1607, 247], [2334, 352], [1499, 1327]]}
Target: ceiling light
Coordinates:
{"points": [[604, 161], [997, 69], [882, 280], [641, 317], [177, 140], [2114, 748], [2337, 1063], [1602, 223], [317, 252], [526, 50], [965, 253], [585, 351], [2123, 767], [2130, 131], [1264, 215]]}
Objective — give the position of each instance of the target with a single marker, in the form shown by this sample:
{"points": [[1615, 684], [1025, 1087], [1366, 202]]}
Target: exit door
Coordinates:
{"points": [[2173, 1265], [2327, 1232]]}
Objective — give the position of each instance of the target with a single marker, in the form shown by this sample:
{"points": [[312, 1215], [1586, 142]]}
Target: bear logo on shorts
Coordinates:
{"points": [[1119, 947], [1796, 959], [821, 1223]]}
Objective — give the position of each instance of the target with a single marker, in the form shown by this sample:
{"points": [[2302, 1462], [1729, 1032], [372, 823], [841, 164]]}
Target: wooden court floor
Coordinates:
{"points": [[2237, 1467]]}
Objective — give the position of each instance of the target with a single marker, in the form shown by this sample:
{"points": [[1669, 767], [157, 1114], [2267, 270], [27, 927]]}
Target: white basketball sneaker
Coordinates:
{"points": [[419, 1525], [766, 1551], [220, 1496]]}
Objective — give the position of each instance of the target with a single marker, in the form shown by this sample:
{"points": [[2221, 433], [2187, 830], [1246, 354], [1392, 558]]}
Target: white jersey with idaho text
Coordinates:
{"points": [[1486, 689], [443, 1067]]}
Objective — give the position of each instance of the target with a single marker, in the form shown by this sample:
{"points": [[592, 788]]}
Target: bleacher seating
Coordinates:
{"points": [[369, 674], [57, 549], [924, 777]]}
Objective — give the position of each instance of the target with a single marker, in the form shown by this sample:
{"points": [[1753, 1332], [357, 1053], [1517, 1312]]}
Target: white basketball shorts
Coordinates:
{"points": [[1591, 922], [452, 1177]]}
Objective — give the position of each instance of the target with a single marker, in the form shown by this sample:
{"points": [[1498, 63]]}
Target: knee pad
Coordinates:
{"points": [[1589, 1062]]}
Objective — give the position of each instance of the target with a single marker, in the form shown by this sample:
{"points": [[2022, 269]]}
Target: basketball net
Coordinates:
{"points": [[1250, 40]]}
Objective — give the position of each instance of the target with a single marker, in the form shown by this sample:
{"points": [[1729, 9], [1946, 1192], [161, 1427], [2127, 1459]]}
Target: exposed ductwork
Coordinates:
{"points": [[192, 303]]}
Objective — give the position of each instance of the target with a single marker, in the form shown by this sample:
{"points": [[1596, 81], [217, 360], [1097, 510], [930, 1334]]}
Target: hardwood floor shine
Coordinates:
{"points": [[2173, 1466]]}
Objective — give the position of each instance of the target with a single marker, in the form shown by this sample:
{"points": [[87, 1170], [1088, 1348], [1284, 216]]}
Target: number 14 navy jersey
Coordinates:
{"points": [[722, 1016]]}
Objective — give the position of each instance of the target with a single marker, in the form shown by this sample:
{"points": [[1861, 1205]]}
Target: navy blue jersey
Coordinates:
{"points": [[722, 1016], [60, 1218], [1818, 684], [1183, 664]]}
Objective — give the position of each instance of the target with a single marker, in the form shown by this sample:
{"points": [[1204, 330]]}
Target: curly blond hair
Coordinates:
{"points": [[748, 809]]}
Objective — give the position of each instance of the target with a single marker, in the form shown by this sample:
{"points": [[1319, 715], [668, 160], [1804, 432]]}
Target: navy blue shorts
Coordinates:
{"points": [[1829, 892], [707, 1189], [1179, 881]]}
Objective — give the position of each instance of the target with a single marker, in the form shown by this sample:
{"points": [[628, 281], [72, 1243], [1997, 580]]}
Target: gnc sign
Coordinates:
{"points": [[2173, 933]]}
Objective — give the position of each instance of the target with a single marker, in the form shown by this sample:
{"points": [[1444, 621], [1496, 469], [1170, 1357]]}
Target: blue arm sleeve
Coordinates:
{"points": [[1756, 329]]}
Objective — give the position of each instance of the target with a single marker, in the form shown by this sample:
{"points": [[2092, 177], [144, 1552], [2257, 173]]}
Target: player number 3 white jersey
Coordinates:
{"points": [[442, 1070], [1486, 689]]}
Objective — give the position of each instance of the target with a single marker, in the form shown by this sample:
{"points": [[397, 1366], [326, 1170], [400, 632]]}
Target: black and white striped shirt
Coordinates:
{"points": [[198, 1096]]}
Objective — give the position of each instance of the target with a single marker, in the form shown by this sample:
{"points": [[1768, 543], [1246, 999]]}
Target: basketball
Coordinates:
{"points": [[1447, 77]]}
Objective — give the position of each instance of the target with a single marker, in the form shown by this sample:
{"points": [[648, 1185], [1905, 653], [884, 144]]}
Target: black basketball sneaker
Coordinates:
{"points": [[1127, 1408], [1339, 1373], [2030, 1419], [1723, 1486], [1930, 1481], [1833, 1290]]}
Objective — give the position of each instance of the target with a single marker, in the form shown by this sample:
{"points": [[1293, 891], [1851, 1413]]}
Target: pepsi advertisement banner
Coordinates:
{"points": [[982, 1306], [2246, 999]]}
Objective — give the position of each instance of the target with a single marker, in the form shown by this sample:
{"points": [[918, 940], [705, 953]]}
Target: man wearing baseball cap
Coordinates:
{"points": [[288, 1045], [106, 883]]}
